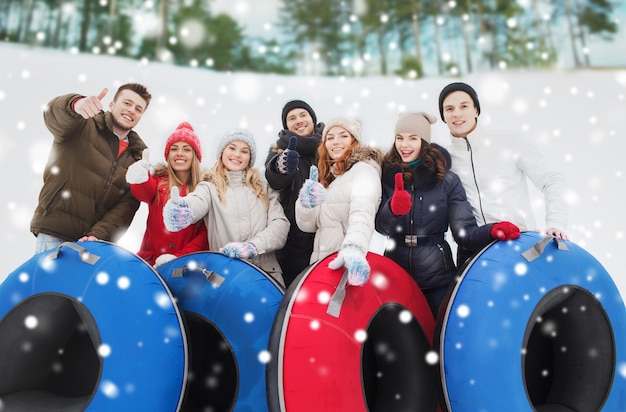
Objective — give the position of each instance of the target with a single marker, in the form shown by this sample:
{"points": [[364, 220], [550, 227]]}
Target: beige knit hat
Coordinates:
{"points": [[351, 124], [417, 123]]}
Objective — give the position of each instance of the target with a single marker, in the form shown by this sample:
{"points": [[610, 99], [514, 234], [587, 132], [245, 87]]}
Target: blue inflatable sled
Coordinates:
{"points": [[89, 327], [534, 324], [228, 306], [92, 327]]}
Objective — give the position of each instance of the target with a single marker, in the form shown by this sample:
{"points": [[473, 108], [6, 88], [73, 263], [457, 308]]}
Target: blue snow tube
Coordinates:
{"points": [[228, 307], [534, 324], [89, 327]]}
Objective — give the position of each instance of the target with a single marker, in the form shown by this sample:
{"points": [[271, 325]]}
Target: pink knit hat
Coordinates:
{"points": [[184, 133]]}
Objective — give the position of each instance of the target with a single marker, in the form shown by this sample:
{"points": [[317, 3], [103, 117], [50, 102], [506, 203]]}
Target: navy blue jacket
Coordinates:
{"points": [[425, 254]]}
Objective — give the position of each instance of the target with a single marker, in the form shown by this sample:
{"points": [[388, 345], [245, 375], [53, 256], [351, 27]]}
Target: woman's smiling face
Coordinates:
{"points": [[408, 146], [338, 142], [236, 156]]}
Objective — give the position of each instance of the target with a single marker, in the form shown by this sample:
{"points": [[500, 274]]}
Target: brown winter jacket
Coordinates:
{"points": [[85, 190]]}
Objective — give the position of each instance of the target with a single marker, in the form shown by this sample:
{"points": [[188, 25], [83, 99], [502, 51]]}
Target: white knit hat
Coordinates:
{"points": [[238, 134], [417, 123], [351, 124]]}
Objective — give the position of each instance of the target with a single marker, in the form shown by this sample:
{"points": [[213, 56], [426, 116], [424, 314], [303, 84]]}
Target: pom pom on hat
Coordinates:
{"points": [[417, 123], [351, 124], [238, 134], [184, 133], [456, 87], [297, 104]]}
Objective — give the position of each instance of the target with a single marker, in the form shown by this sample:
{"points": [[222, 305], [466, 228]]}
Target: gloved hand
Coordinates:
{"points": [[139, 172], [353, 259], [287, 161], [163, 259], [176, 213], [312, 193], [401, 200], [504, 231], [239, 250]]}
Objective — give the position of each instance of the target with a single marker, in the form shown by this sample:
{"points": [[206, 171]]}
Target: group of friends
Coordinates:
{"points": [[322, 190]]}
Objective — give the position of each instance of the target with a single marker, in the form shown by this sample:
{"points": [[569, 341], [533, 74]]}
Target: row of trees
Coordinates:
{"points": [[355, 37]]}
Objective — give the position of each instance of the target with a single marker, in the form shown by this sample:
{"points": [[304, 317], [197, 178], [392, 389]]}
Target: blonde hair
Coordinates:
{"points": [[218, 175]]}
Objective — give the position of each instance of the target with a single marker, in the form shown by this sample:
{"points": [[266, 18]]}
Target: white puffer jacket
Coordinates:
{"points": [[494, 167], [347, 215]]}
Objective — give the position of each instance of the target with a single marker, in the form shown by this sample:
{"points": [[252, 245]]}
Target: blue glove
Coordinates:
{"points": [[287, 161], [176, 213], [239, 250], [353, 259], [312, 193]]}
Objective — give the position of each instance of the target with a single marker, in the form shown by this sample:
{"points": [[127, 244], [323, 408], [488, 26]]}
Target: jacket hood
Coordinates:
{"points": [[160, 169], [366, 154]]}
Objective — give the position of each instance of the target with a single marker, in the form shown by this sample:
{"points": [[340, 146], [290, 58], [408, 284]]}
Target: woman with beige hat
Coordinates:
{"points": [[417, 218]]}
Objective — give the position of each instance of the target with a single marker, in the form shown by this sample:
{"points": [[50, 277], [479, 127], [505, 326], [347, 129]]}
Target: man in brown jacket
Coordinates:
{"points": [[85, 195]]}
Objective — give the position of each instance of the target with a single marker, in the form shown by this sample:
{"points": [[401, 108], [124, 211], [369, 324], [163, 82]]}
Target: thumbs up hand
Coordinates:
{"points": [[90, 106], [312, 193], [401, 200], [139, 172], [176, 213], [287, 161]]}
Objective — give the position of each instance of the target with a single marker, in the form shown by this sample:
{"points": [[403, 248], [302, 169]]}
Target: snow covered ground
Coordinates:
{"points": [[576, 117]]}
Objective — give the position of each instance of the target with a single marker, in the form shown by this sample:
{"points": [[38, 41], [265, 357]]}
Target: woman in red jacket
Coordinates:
{"points": [[183, 154]]}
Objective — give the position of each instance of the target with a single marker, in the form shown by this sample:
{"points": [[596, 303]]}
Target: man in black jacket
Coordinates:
{"points": [[286, 168]]}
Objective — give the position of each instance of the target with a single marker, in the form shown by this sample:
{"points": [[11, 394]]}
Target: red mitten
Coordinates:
{"points": [[401, 200], [504, 231]]}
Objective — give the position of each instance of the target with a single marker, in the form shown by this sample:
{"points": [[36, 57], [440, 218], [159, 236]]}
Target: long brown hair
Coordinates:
{"points": [[325, 164], [430, 156]]}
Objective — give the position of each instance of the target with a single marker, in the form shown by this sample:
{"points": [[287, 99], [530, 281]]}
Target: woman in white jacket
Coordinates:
{"points": [[243, 215], [341, 207]]}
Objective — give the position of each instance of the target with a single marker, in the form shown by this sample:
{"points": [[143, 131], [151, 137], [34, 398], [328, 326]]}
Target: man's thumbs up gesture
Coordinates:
{"points": [[90, 106]]}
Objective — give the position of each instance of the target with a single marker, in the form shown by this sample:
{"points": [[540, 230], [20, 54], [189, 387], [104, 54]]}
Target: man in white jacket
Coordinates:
{"points": [[494, 168]]}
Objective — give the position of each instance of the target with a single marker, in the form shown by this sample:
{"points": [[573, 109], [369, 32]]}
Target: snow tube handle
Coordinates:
{"points": [[538, 248], [212, 277], [334, 306], [83, 253]]}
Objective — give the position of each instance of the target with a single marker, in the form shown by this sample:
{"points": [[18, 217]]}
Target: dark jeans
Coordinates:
{"points": [[294, 257], [434, 297]]}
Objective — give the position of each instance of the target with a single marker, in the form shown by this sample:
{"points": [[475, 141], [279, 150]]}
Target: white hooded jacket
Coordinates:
{"points": [[494, 167]]}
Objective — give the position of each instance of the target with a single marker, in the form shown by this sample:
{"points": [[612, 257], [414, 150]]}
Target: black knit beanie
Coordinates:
{"points": [[456, 87], [297, 104]]}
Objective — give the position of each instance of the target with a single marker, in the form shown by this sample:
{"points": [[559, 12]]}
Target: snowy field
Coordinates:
{"points": [[576, 117]]}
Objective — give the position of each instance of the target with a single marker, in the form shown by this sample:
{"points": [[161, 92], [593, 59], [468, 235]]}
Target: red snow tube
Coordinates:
{"points": [[367, 350]]}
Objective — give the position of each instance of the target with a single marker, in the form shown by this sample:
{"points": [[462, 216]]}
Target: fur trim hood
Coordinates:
{"points": [[366, 154]]}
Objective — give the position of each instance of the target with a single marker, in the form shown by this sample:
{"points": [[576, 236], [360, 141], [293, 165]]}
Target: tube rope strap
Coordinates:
{"points": [[538, 248]]}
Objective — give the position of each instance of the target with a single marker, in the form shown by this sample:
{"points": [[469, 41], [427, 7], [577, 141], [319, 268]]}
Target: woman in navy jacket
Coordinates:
{"points": [[416, 219]]}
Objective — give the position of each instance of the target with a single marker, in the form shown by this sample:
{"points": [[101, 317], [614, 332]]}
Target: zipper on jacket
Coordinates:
{"points": [[443, 256], [480, 200], [411, 222], [107, 183]]}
